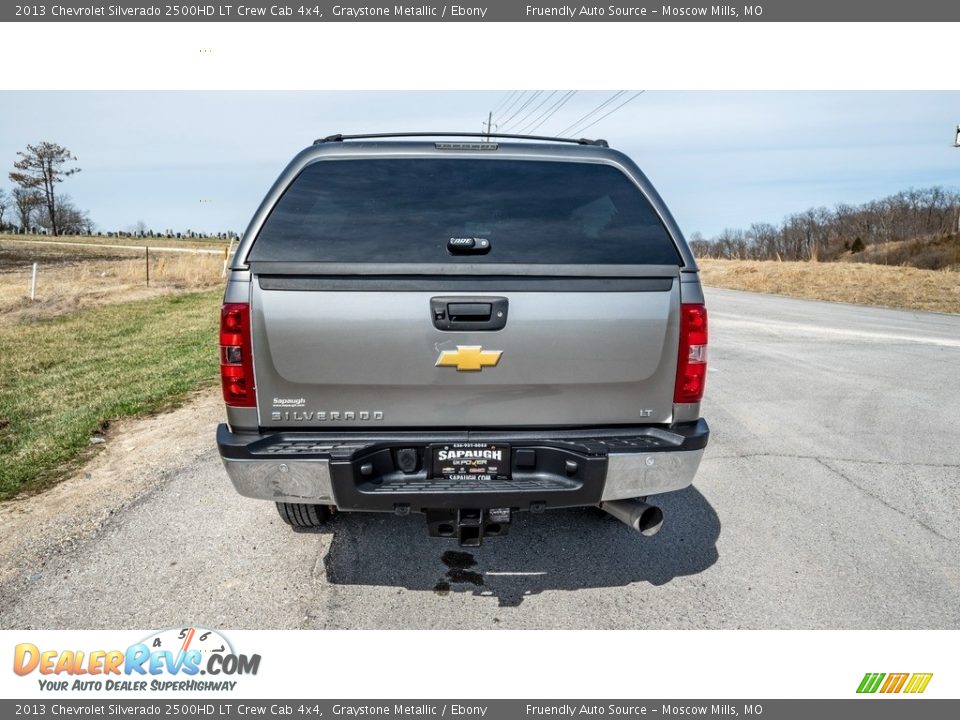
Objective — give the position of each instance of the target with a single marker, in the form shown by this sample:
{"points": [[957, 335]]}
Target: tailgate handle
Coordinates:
{"points": [[469, 313]]}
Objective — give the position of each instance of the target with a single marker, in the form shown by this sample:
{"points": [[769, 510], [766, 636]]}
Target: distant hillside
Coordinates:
{"points": [[848, 282], [933, 253], [917, 228]]}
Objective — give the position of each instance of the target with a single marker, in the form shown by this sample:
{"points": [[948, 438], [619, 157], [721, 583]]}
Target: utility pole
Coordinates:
{"points": [[488, 124]]}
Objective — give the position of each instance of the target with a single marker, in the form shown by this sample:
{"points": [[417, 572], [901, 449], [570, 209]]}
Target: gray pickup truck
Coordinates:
{"points": [[463, 328]]}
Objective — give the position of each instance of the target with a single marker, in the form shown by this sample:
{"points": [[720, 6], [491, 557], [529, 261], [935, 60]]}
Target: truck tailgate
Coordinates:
{"points": [[361, 358]]}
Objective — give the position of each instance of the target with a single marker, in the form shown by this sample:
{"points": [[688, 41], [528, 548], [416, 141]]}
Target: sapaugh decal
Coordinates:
{"points": [[289, 402], [174, 660], [469, 454]]}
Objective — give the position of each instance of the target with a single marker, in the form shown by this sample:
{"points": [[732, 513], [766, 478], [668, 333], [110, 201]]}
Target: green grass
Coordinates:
{"points": [[63, 379]]}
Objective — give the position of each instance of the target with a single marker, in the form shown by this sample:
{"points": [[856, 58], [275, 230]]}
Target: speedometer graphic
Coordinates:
{"points": [[183, 639]]}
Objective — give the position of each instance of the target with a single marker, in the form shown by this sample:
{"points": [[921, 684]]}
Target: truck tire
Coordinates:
{"points": [[303, 516]]}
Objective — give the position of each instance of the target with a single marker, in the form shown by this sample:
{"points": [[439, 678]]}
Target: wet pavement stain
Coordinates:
{"points": [[458, 564], [458, 560], [465, 576]]}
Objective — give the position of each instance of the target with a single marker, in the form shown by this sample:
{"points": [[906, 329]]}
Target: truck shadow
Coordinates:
{"points": [[558, 550]]}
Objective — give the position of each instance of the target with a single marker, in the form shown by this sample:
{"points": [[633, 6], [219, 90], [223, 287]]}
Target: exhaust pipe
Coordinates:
{"points": [[645, 519]]}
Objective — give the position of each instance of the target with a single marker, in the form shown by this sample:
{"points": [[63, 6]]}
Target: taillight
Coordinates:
{"points": [[236, 356], [692, 361]]}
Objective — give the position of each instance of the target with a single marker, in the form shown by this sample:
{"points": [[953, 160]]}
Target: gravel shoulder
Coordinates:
{"points": [[138, 455]]}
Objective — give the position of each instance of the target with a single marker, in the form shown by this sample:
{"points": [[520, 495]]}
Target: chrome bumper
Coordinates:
{"points": [[293, 481], [631, 475]]}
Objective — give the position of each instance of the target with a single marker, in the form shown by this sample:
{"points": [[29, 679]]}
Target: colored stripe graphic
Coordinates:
{"points": [[870, 682], [918, 682], [894, 683]]}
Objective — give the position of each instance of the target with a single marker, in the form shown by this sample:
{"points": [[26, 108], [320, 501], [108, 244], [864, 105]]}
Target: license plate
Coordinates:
{"points": [[470, 461]]}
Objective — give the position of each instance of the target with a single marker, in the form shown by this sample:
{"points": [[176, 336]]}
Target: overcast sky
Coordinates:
{"points": [[203, 160]]}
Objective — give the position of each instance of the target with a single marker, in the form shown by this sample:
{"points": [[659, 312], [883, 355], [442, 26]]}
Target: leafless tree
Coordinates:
{"points": [[138, 229], [914, 215], [87, 226], [40, 169], [4, 206], [26, 203], [70, 219]]}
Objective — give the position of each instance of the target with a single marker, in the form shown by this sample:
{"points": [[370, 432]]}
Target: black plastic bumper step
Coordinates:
{"points": [[403, 484]]}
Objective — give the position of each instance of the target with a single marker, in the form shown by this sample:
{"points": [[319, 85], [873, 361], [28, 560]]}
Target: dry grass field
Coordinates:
{"points": [[859, 283], [74, 278]]}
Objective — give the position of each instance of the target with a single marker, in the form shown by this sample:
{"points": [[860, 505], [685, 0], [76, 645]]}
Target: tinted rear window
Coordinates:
{"points": [[406, 211]]}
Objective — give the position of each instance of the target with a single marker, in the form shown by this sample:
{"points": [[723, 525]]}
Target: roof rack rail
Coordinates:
{"points": [[372, 136]]}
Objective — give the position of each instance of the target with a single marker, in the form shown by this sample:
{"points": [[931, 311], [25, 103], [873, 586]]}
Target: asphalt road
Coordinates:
{"points": [[828, 498]]}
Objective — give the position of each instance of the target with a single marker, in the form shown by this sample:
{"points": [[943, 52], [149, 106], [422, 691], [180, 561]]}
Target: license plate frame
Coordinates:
{"points": [[470, 461]]}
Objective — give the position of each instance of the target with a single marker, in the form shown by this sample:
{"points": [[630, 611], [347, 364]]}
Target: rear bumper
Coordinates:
{"points": [[567, 468]]}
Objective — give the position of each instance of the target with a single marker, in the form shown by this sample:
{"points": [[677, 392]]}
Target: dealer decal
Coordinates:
{"points": [[469, 454]]}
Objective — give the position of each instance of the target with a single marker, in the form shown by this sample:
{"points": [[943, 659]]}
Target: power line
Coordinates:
{"points": [[522, 107], [595, 110], [504, 100], [551, 111], [539, 105], [629, 99], [511, 105], [508, 106], [529, 114]]}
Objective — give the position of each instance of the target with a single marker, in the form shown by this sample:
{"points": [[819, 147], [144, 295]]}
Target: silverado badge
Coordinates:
{"points": [[469, 357]]}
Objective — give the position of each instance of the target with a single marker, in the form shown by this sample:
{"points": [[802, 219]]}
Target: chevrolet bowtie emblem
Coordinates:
{"points": [[469, 357]]}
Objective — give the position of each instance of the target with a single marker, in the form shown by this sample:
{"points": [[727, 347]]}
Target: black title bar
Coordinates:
{"points": [[225, 707], [490, 11]]}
